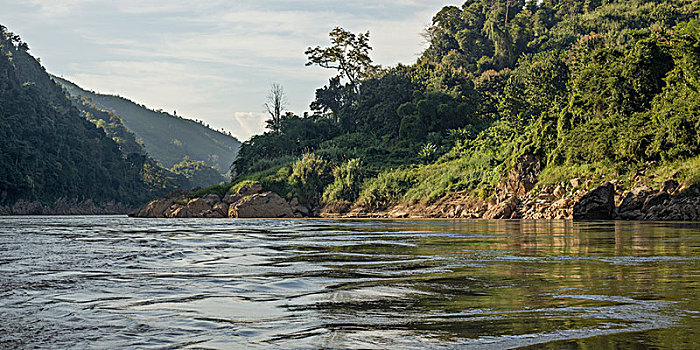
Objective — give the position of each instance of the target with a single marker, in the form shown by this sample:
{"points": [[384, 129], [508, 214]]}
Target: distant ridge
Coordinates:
{"points": [[167, 138]]}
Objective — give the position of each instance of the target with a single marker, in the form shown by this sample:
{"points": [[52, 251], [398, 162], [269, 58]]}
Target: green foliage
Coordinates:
{"points": [[48, 151], [428, 153], [598, 89], [198, 173], [387, 188], [310, 175], [347, 179], [167, 138], [348, 54]]}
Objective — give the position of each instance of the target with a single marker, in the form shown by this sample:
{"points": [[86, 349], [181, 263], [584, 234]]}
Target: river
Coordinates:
{"points": [[117, 282]]}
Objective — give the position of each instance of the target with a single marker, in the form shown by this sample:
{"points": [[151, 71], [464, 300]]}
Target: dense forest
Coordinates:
{"points": [[49, 153], [602, 89], [169, 139]]}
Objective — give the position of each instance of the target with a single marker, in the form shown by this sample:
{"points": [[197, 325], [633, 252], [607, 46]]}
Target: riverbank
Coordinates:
{"points": [[516, 199], [65, 207]]}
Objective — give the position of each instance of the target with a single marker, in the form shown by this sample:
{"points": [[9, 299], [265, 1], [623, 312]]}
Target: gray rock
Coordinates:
{"points": [[634, 201], [521, 179], [155, 208], [503, 210], [656, 199], [598, 204], [261, 205], [212, 199]]}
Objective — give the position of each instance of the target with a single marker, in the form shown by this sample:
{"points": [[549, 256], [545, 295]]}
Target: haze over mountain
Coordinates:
{"points": [[167, 138], [50, 154]]}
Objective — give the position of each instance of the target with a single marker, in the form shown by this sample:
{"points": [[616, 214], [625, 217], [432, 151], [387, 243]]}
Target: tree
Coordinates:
{"points": [[275, 105], [348, 54]]}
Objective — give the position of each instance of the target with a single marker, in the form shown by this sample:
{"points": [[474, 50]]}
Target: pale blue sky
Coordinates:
{"points": [[211, 60]]}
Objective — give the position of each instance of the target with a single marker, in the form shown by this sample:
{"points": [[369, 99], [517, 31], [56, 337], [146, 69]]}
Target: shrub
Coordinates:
{"points": [[347, 179], [310, 175]]}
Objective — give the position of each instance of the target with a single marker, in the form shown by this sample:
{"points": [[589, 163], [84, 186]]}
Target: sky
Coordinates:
{"points": [[209, 60]]}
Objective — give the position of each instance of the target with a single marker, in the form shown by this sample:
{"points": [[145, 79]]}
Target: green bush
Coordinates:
{"points": [[310, 175], [386, 189], [347, 180]]}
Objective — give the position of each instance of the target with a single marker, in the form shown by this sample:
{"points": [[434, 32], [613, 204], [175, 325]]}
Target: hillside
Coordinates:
{"points": [[598, 90], [168, 139], [50, 154]]}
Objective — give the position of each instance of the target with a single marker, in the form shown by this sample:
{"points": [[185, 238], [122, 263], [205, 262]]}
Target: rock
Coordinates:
{"points": [[575, 182], [155, 208], [181, 213], [503, 210], [261, 205], [521, 179], [231, 198], [170, 213], [634, 201], [298, 208], [212, 199], [221, 208], [559, 191], [655, 199], [670, 186], [598, 204], [197, 206], [213, 214], [249, 189]]}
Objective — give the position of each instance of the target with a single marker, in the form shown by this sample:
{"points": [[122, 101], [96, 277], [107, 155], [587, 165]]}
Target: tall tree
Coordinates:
{"points": [[275, 105], [348, 54]]}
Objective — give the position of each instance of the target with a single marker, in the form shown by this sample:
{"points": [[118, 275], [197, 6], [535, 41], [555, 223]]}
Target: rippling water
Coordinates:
{"points": [[115, 282]]}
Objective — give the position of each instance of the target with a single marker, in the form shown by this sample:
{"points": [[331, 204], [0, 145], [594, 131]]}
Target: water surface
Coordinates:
{"points": [[116, 282]]}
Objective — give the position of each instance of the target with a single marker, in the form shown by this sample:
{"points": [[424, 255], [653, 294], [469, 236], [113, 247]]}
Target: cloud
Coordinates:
{"points": [[211, 60], [247, 124]]}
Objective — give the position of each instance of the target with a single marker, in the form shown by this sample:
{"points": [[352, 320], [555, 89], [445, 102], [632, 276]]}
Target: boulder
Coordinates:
{"points": [[633, 202], [171, 211], [298, 208], [656, 199], [247, 189], [502, 210], [221, 208], [197, 206], [598, 204], [521, 179], [155, 208], [261, 205], [231, 198], [181, 213], [211, 199]]}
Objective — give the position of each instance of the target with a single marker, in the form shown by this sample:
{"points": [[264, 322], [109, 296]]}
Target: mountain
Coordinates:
{"points": [[167, 138], [50, 154]]}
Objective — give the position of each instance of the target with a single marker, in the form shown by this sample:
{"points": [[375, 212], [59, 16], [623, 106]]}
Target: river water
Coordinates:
{"points": [[117, 282]]}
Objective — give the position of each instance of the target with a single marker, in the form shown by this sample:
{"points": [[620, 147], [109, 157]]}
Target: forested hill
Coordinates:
{"points": [[168, 139], [50, 153], [596, 89]]}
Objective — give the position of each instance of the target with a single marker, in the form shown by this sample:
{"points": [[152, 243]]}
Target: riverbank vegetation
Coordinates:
{"points": [[598, 89]]}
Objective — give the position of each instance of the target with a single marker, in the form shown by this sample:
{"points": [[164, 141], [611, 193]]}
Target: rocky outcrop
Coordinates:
{"points": [[261, 205], [598, 204], [521, 179], [246, 202], [645, 203], [503, 210]]}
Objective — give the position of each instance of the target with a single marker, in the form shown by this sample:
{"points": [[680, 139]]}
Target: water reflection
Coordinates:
{"points": [[119, 282]]}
